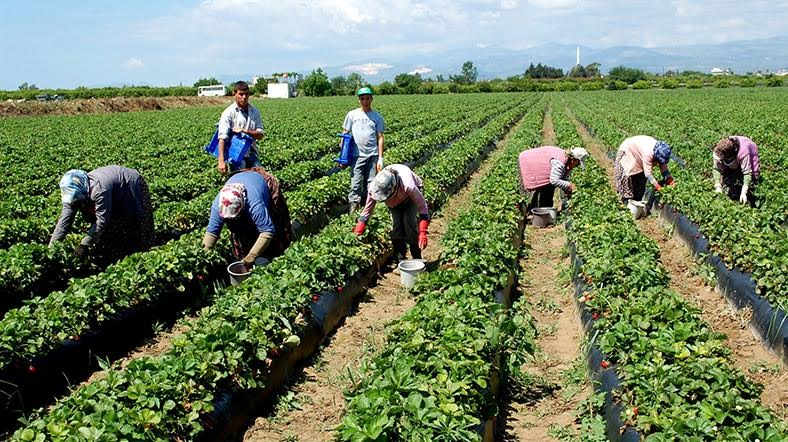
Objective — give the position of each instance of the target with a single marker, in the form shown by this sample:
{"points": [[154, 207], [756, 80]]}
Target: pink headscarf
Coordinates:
{"points": [[232, 199]]}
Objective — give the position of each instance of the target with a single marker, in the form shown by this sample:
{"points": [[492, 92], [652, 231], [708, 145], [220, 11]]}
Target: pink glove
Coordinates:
{"points": [[423, 224], [360, 228]]}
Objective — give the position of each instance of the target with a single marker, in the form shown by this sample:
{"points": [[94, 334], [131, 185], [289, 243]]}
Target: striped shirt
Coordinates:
{"points": [[557, 174]]}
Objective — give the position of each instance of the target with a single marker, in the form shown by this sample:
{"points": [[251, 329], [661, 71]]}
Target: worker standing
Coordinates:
{"points": [[116, 201], [244, 204], [737, 168], [402, 191], [544, 168], [367, 127], [634, 165], [239, 117]]}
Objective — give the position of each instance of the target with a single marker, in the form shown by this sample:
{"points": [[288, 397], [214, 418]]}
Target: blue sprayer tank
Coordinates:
{"points": [[347, 151]]}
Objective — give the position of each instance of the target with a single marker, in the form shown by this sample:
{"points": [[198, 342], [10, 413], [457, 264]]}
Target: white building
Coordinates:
{"points": [[781, 73], [720, 71], [280, 90]]}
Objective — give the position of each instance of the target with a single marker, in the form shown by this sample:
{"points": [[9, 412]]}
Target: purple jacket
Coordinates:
{"points": [[747, 159]]}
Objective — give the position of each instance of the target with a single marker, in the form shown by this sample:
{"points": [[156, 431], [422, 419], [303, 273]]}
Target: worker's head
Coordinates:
{"points": [[384, 185], [364, 97], [232, 199], [241, 93], [662, 151], [74, 186], [577, 157], [726, 149]]}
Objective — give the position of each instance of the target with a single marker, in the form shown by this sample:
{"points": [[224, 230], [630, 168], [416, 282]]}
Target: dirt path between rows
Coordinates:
{"points": [[314, 405], [548, 130], [105, 105], [748, 354], [550, 401]]}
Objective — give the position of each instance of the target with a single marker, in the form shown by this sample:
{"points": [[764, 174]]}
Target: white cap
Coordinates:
{"points": [[581, 155], [384, 185]]}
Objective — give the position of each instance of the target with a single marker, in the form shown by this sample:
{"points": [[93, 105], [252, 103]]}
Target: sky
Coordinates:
{"points": [[161, 43]]}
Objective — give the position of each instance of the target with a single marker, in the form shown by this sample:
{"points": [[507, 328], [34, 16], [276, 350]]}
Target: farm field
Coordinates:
{"points": [[583, 331]]}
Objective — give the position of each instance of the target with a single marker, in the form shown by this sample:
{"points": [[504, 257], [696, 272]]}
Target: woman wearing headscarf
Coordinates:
{"points": [[243, 204], [116, 201], [737, 167], [402, 191], [544, 168], [634, 165]]}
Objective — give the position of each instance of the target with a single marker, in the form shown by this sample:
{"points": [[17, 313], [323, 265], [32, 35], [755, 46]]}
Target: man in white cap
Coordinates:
{"points": [[401, 190], [544, 168], [243, 204]]}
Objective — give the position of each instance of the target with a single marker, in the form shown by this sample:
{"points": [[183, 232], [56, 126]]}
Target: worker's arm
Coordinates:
{"points": [[257, 132], [262, 243], [64, 223], [103, 202], [557, 172]]}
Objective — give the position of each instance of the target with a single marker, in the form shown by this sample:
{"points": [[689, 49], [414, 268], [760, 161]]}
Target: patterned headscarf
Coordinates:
{"points": [[662, 152], [232, 199], [726, 149], [74, 186], [384, 185]]}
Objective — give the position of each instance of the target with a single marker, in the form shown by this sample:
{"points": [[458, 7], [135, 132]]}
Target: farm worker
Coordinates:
{"points": [[244, 203], [239, 117], [116, 201], [401, 189], [634, 163], [367, 127], [544, 168], [737, 166]]}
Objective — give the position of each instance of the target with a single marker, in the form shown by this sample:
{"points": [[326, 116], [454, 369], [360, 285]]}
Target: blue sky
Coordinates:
{"points": [[91, 43]]}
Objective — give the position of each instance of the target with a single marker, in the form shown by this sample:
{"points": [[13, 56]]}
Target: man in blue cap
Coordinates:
{"points": [[367, 127]]}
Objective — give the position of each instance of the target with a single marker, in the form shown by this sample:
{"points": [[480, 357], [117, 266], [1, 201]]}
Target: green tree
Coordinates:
{"points": [[206, 82], [316, 84], [340, 86], [355, 81], [543, 71], [408, 83], [261, 86], [468, 75], [625, 74]]}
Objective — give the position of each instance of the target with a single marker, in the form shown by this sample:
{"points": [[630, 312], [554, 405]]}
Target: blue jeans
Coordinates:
{"points": [[361, 175], [248, 162]]}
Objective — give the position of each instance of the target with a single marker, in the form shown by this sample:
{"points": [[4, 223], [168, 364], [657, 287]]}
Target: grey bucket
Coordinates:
{"points": [[543, 216], [237, 272], [638, 208], [409, 270]]}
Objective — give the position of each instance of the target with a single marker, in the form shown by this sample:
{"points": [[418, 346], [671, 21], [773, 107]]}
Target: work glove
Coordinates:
{"points": [[717, 187], [657, 187], [209, 241], [743, 196], [360, 228], [379, 165], [670, 181], [423, 224]]}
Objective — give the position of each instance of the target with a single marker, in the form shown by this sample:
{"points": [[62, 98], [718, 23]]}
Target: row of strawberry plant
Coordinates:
{"points": [[227, 345], [737, 234], [437, 376], [676, 378]]}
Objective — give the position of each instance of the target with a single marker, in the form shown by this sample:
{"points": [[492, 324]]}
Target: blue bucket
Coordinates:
{"points": [[347, 152], [239, 146]]}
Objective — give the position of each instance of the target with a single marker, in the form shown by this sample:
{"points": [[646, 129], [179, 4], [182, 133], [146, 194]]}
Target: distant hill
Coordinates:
{"points": [[498, 62]]}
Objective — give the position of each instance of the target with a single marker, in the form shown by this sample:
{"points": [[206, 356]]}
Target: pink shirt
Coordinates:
{"points": [[535, 165], [639, 156], [747, 159], [408, 188]]}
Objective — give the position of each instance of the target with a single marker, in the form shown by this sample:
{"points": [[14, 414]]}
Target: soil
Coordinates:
{"points": [[548, 130], [551, 401], [105, 105], [748, 353], [314, 406]]}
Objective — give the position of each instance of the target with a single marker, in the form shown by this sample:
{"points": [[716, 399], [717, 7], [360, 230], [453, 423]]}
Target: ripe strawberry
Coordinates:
{"points": [[340, 289], [201, 278], [635, 411], [315, 298], [32, 369], [595, 316], [604, 364]]}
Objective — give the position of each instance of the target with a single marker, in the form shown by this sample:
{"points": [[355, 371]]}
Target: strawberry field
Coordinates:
{"points": [[658, 369]]}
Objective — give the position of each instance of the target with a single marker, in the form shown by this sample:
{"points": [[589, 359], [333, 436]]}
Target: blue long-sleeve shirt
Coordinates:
{"points": [[255, 211]]}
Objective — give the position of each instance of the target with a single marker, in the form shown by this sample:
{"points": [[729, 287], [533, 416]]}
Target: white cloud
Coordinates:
{"points": [[133, 63], [420, 70], [555, 4], [509, 4], [368, 68]]}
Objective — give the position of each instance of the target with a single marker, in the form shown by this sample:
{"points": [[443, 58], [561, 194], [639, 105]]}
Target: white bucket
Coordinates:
{"points": [[543, 216], [638, 208], [409, 270], [237, 272]]}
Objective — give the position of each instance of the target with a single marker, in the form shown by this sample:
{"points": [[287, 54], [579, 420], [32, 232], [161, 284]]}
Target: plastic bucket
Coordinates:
{"points": [[346, 154], [409, 270], [543, 216], [239, 146], [638, 208], [237, 272]]}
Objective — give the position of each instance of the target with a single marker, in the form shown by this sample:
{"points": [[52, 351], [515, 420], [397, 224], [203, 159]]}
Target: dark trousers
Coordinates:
{"points": [[405, 231], [541, 197]]}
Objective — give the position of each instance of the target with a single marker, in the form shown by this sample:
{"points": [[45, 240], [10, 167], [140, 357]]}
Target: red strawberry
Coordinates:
{"points": [[635, 411], [201, 278], [604, 364], [32, 369], [595, 316], [315, 298], [340, 288]]}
